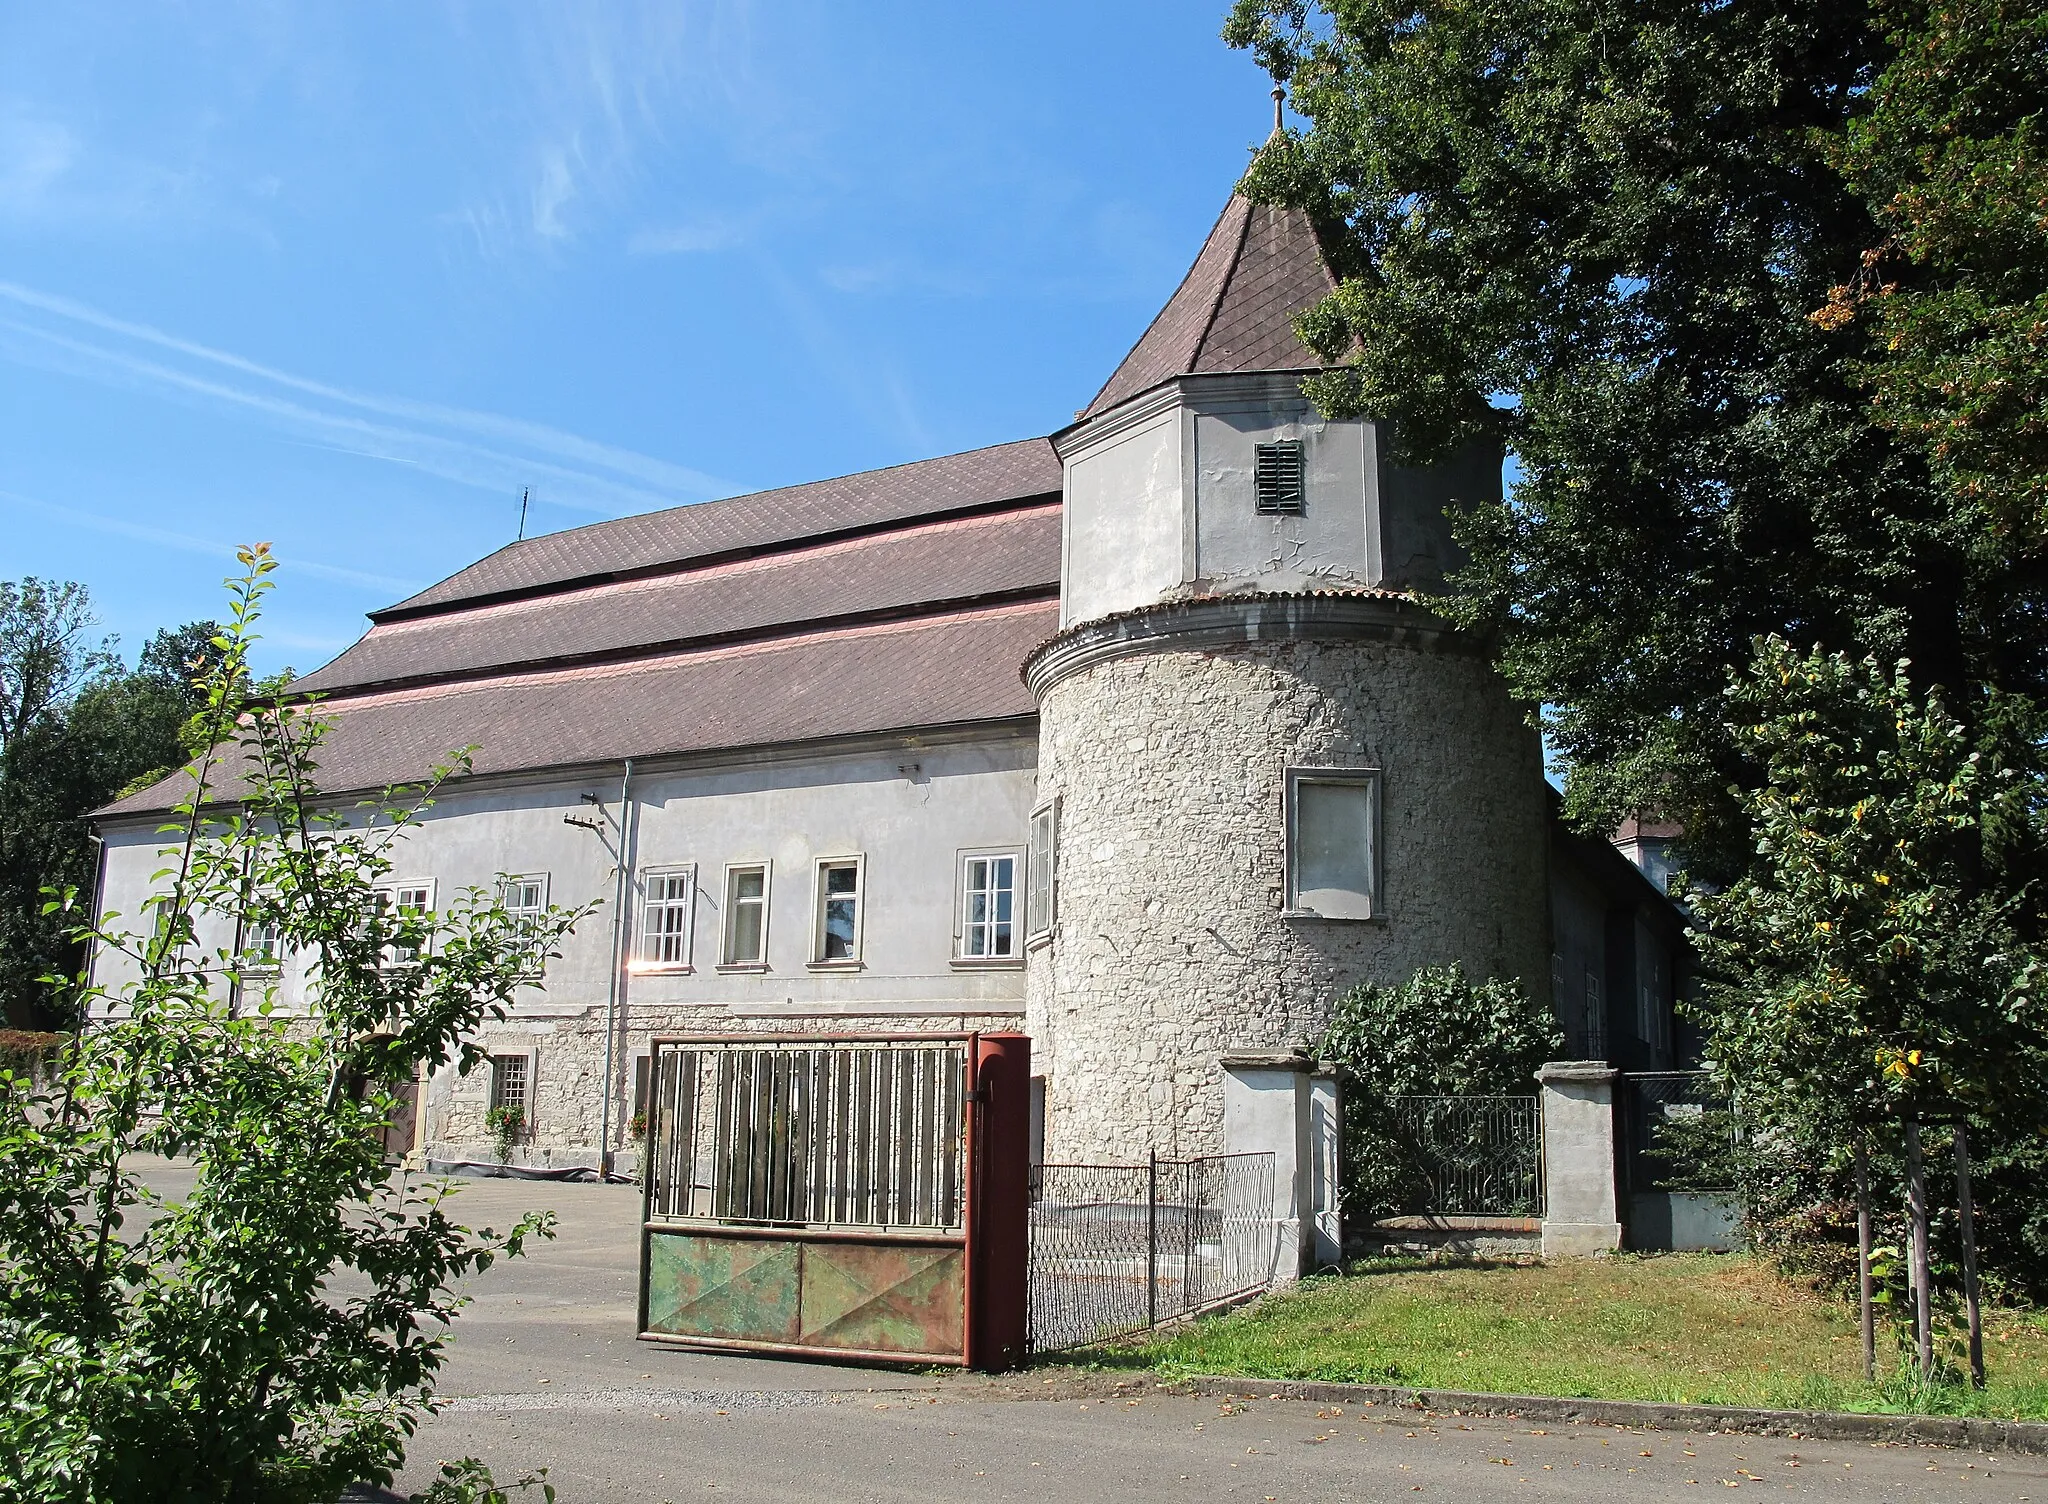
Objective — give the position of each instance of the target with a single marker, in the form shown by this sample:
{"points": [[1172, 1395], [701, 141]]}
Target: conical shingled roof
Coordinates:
{"points": [[1234, 310]]}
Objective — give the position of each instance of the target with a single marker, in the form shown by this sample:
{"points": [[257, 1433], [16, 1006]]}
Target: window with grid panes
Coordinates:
{"points": [[988, 906], [510, 1081], [399, 902], [666, 910], [526, 902]]}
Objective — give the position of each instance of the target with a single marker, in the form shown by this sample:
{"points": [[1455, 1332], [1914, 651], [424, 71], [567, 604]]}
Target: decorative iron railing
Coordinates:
{"points": [[1676, 1134], [838, 1133], [1120, 1248], [1455, 1156]]}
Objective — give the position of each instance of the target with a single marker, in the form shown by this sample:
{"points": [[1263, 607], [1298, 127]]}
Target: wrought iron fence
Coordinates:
{"points": [[1675, 1134], [816, 1133], [1451, 1156], [1119, 1248]]}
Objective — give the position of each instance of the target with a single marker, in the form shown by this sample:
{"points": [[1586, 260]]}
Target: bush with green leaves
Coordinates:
{"points": [[1438, 1034], [1873, 978], [274, 1336]]}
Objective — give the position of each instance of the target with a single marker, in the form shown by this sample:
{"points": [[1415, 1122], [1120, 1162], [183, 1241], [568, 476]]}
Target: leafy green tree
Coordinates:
{"points": [[1437, 1034], [1595, 233], [76, 731], [274, 1336], [1860, 976], [1753, 296], [1952, 156]]}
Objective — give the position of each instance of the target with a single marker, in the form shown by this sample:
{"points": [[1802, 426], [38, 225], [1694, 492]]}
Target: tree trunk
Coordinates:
{"points": [[1867, 1308], [1967, 1207], [1916, 1210]]}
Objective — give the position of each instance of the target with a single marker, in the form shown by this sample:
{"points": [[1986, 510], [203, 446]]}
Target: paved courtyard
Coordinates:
{"points": [[545, 1370]]}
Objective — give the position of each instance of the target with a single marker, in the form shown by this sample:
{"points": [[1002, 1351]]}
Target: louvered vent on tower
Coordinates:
{"points": [[1279, 478]]}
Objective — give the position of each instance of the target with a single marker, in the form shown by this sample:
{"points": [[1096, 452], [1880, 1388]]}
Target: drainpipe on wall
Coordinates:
{"points": [[621, 872]]}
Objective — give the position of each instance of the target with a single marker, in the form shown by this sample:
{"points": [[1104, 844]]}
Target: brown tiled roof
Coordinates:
{"points": [[944, 669], [1234, 311], [766, 519], [947, 559]]}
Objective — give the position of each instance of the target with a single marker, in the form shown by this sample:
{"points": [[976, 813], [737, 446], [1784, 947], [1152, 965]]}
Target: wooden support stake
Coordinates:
{"points": [[1966, 1205], [1866, 1303], [1916, 1208]]}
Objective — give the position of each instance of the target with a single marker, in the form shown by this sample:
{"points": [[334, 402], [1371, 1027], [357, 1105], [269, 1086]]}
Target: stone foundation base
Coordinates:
{"points": [[1580, 1240]]}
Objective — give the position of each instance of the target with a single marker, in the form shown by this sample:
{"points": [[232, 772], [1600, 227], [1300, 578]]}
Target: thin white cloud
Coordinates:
{"points": [[485, 450], [384, 584], [691, 484]]}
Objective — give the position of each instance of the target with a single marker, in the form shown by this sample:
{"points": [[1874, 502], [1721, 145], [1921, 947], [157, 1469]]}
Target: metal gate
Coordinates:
{"points": [[1474, 1156], [812, 1195], [1674, 1193], [1120, 1248]]}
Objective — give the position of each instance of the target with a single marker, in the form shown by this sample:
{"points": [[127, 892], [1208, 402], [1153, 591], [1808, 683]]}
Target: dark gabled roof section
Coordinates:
{"points": [[950, 668], [636, 546], [1234, 311], [922, 566]]}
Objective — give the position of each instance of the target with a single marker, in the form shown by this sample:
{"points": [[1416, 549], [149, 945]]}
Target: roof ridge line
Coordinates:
{"points": [[708, 642], [791, 545]]}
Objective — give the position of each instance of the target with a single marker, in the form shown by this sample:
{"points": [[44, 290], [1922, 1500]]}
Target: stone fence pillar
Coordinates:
{"points": [[1275, 1102], [1580, 1213]]}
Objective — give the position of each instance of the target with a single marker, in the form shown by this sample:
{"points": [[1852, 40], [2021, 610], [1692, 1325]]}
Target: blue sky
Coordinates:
{"points": [[350, 276]]}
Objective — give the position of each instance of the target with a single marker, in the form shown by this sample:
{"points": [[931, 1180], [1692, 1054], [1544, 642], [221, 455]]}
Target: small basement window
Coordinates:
{"points": [[1279, 474], [510, 1079]]}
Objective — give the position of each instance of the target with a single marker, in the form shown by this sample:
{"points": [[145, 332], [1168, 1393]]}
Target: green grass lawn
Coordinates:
{"points": [[1700, 1328]]}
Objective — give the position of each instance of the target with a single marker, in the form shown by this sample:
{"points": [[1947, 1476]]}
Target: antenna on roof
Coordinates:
{"points": [[1279, 95], [524, 494]]}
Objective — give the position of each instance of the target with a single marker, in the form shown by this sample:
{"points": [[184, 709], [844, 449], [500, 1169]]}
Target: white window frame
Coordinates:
{"points": [[1366, 778], [819, 865], [725, 919], [1042, 867], [389, 892], [273, 965], [646, 958], [1020, 893], [494, 1100], [537, 963]]}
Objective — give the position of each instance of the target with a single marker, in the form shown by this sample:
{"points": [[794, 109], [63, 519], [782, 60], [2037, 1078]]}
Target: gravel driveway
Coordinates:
{"points": [[545, 1370]]}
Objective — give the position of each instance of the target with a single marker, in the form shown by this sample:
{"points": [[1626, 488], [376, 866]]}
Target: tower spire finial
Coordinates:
{"points": [[1279, 97]]}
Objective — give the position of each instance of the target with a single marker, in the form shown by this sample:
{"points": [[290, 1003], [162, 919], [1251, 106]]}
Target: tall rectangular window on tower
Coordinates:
{"points": [[1279, 475], [1332, 843]]}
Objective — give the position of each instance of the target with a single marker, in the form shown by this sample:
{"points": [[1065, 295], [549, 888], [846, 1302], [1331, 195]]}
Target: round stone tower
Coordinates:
{"points": [[1265, 772]]}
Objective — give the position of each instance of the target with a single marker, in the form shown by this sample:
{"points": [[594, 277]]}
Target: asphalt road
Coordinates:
{"points": [[545, 1371]]}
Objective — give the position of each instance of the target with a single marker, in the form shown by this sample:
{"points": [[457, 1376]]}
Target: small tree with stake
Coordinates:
{"points": [[1865, 982], [273, 1337]]}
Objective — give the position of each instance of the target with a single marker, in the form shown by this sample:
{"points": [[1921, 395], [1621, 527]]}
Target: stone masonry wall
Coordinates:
{"points": [[1169, 946]]}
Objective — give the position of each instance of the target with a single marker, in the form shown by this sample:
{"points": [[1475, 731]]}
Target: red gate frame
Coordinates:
{"points": [[994, 1238]]}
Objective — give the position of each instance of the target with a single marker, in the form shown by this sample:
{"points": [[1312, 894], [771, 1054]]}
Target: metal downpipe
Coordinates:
{"points": [[621, 873]]}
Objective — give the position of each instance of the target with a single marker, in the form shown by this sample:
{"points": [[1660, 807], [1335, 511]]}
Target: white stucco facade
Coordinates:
{"points": [[909, 811]]}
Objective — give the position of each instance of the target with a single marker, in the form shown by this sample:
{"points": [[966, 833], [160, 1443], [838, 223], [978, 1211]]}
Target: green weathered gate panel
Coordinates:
{"points": [[735, 1288], [870, 1297]]}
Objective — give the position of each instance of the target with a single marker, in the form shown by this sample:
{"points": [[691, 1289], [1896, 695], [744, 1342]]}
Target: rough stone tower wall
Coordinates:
{"points": [[1170, 947]]}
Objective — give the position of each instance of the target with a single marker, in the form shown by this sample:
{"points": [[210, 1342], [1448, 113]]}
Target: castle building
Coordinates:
{"points": [[1135, 737]]}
